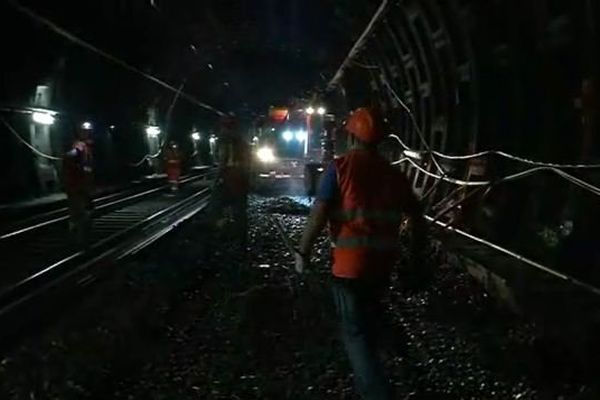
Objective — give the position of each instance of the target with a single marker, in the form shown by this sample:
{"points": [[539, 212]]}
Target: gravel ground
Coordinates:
{"points": [[201, 317]]}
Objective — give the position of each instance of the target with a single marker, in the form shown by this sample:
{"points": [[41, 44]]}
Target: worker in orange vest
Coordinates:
{"points": [[173, 165], [78, 184], [364, 199]]}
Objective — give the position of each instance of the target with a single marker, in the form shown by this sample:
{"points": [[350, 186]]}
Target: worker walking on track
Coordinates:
{"points": [[78, 184], [233, 156], [363, 198], [173, 165]]}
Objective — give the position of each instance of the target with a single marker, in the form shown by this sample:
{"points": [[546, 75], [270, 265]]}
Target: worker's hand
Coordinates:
{"points": [[301, 262]]}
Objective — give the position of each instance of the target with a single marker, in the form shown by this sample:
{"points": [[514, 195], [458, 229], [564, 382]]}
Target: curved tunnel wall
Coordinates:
{"points": [[505, 74], [517, 76]]}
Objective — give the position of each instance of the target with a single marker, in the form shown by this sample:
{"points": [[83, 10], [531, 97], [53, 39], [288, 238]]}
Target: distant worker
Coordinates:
{"points": [[233, 158], [364, 199], [173, 165], [78, 183]]}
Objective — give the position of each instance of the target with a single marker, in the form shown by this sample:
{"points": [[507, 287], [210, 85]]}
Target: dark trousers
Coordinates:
{"points": [[229, 204], [80, 213], [360, 313]]}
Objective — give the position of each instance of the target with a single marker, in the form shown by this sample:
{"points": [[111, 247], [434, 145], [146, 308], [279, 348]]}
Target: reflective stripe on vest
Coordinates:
{"points": [[393, 217], [369, 242], [364, 224]]}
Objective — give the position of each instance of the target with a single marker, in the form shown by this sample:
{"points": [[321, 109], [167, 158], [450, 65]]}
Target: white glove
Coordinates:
{"points": [[301, 262]]}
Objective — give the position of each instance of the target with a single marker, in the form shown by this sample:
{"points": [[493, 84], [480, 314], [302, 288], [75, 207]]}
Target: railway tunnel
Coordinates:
{"points": [[489, 109]]}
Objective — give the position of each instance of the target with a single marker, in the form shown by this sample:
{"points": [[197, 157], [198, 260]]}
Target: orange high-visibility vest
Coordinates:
{"points": [[78, 169], [173, 167], [365, 224]]}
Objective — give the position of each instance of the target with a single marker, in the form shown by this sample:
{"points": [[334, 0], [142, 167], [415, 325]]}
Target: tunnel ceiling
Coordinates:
{"points": [[236, 55], [475, 74]]}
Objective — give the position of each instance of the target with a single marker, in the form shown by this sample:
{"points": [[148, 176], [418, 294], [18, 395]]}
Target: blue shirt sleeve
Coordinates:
{"points": [[328, 187]]}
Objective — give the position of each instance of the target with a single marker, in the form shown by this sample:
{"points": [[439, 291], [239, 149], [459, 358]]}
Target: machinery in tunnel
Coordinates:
{"points": [[293, 144]]}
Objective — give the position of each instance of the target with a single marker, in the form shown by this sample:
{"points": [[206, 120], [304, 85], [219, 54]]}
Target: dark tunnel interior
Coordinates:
{"points": [[518, 77], [491, 106]]}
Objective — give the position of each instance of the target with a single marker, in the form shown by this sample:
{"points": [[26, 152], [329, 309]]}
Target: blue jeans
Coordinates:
{"points": [[359, 309]]}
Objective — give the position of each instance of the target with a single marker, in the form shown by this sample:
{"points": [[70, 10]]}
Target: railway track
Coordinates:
{"points": [[40, 258], [19, 225]]}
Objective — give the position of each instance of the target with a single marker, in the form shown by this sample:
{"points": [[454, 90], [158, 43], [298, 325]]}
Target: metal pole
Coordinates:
{"points": [[357, 46], [308, 132]]}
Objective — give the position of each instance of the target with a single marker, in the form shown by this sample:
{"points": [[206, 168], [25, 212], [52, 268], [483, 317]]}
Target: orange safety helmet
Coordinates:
{"points": [[363, 126]]}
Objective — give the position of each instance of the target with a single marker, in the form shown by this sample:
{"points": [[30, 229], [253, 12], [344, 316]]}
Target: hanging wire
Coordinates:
{"points": [[410, 114], [357, 46], [361, 65], [468, 156], [416, 126], [448, 225], [394, 136], [536, 265], [149, 156], [542, 166], [23, 141], [579, 182], [539, 166], [170, 114], [71, 37], [502, 154], [164, 141], [444, 178], [517, 158]]}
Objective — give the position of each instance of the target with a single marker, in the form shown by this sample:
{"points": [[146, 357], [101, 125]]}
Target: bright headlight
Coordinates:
{"points": [[287, 135], [301, 135], [265, 154]]}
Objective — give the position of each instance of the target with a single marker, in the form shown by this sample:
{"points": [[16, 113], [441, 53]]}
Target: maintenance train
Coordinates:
{"points": [[291, 148]]}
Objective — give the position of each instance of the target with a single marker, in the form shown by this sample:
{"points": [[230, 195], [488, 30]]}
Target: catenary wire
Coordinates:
{"points": [[27, 144], [502, 154], [71, 37], [519, 175], [416, 126], [164, 140]]}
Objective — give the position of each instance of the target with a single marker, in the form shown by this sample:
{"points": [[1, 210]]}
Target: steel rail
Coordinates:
{"points": [[28, 287], [103, 206]]}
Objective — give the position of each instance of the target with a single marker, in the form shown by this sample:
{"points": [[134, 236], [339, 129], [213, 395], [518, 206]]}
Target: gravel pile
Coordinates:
{"points": [[204, 317]]}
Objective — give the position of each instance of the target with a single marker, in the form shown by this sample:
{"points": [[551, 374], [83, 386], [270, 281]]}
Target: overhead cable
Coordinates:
{"points": [[474, 155], [501, 154], [164, 141], [411, 116], [416, 126], [444, 178], [359, 64], [519, 175], [71, 37], [519, 257], [357, 46], [26, 143], [517, 158]]}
